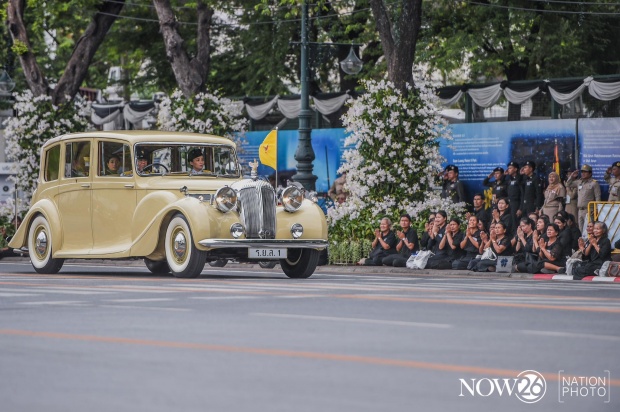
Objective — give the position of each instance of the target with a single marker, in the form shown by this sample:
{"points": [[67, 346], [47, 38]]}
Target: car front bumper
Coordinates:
{"points": [[264, 243]]}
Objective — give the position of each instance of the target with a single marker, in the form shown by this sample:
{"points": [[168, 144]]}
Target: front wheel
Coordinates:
{"points": [[184, 259], [300, 263], [220, 263], [157, 267], [40, 247]]}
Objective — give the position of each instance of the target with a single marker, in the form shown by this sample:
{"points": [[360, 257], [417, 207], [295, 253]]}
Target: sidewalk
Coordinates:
{"points": [[342, 269]]}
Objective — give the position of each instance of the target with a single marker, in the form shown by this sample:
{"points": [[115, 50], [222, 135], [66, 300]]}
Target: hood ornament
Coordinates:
{"points": [[254, 171]]}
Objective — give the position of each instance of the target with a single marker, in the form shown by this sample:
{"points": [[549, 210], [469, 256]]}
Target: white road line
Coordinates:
{"points": [[570, 335], [56, 302], [139, 300], [225, 297], [15, 295], [355, 320], [145, 308], [57, 290]]}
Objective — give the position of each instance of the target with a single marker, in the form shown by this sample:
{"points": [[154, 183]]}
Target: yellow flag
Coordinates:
{"points": [[268, 150]]}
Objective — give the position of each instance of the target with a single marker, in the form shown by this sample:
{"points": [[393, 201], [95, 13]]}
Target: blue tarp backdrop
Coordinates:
{"points": [[476, 148]]}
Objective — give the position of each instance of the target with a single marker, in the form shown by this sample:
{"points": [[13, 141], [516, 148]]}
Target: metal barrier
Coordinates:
{"points": [[608, 212]]}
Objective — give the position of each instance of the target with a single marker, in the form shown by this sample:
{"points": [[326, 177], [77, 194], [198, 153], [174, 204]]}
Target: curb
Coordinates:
{"points": [[569, 277]]}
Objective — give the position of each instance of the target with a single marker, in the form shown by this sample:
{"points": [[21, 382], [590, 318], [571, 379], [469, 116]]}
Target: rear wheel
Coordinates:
{"points": [[300, 263], [40, 247], [157, 267], [184, 259]]}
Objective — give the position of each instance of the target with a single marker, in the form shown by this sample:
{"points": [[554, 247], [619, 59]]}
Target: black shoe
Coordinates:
{"points": [[562, 270]]}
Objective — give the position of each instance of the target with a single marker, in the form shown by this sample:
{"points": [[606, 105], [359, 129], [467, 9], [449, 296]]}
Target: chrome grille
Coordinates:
{"points": [[257, 208]]}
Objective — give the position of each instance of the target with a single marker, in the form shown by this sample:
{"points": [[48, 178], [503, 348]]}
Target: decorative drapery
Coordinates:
{"points": [[103, 113], [135, 112], [562, 91], [290, 106]]}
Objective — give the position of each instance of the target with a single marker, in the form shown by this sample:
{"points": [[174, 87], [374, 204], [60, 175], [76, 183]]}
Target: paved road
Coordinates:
{"points": [[114, 338]]}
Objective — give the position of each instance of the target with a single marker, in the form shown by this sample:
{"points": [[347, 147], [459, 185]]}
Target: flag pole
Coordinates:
{"points": [[276, 157]]}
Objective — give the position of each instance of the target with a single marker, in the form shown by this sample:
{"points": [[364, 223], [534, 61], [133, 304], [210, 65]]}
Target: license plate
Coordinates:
{"points": [[266, 253]]}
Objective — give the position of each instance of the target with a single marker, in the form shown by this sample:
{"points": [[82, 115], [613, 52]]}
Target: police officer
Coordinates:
{"points": [[514, 189], [612, 177], [531, 189], [452, 187], [588, 190], [498, 186]]}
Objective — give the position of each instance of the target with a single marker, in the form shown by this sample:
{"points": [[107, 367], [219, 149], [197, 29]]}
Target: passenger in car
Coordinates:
{"points": [[197, 160], [112, 166]]}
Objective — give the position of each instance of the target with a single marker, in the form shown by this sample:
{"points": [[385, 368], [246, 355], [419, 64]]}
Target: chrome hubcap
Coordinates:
{"points": [[41, 243], [179, 245]]}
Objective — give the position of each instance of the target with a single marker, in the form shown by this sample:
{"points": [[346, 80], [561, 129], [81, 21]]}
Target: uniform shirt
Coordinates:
{"points": [[532, 194], [453, 190], [614, 187], [499, 188], [588, 190], [469, 248], [515, 191]]}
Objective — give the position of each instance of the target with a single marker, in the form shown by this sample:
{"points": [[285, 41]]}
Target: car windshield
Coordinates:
{"points": [[184, 159]]}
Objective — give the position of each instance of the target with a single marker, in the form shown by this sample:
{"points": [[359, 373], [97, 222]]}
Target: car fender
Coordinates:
{"points": [[309, 215], [155, 211], [48, 209]]}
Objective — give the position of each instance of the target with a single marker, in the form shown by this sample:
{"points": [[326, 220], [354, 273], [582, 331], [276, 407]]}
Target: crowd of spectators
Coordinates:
{"points": [[528, 220]]}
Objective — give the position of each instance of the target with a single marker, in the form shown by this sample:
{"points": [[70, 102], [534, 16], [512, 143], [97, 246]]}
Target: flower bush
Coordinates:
{"points": [[205, 113], [36, 121], [394, 161]]}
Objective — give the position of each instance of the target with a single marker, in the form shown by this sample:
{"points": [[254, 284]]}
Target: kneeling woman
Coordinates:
{"points": [[595, 253], [499, 244], [449, 247], [550, 256]]}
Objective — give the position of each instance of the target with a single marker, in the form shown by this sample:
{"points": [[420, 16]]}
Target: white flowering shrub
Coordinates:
{"points": [[36, 121], [394, 161], [204, 113]]}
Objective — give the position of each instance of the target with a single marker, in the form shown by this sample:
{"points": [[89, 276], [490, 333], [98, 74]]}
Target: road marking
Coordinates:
{"points": [[15, 295], [320, 356], [224, 297], [570, 335], [55, 290], [355, 320], [55, 302], [144, 307], [139, 300]]}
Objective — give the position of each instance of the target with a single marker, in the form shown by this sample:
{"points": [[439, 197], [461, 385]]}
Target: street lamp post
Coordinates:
{"points": [[305, 154]]}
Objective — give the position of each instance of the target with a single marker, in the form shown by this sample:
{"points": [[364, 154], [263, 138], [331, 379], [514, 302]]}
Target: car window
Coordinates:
{"points": [[114, 159], [219, 160], [52, 163], [77, 159]]}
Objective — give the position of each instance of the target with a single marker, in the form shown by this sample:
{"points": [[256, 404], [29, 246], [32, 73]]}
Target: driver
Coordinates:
{"points": [[141, 162]]}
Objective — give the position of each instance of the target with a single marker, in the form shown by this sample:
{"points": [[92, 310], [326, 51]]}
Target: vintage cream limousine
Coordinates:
{"points": [[177, 200]]}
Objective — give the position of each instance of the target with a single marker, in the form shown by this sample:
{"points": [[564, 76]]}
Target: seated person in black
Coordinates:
{"points": [[437, 232], [407, 244], [594, 254], [451, 244], [523, 243], [383, 245], [470, 244], [565, 236], [499, 244], [550, 258]]}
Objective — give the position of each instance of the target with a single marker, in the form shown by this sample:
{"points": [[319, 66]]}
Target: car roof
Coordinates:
{"points": [[137, 136]]}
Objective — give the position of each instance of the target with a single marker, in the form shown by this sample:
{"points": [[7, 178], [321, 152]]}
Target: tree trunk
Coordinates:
{"points": [[34, 77], [399, 38], [83, 52], [191, 74], [85, 49]]}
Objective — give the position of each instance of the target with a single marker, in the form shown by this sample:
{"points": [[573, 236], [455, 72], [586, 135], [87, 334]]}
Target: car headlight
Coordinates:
{"points": [[292, 197], [297, 230], [225, 199], [236, 230]]}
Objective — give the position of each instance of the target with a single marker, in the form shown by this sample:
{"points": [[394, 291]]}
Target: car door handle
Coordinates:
{"points": [[129, 186], [85, 184]]}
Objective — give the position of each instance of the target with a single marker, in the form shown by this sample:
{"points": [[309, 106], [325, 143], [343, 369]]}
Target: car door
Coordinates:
{"points": [[114, 200], [74, 199]]}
